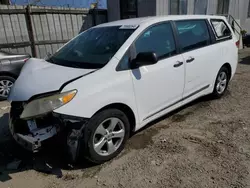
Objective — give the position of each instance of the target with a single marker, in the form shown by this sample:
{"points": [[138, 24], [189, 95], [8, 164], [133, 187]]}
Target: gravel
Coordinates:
{"points": [[204, 144]]}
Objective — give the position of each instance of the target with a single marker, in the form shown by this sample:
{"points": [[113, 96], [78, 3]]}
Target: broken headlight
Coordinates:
{"points": [[47, 104]]}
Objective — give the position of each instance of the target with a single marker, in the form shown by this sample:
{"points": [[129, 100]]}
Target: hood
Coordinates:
{"points": [[39, 76]]}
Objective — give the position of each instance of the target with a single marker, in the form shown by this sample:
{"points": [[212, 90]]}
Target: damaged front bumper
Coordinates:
{"points": [[31, 134], [32, 141]]}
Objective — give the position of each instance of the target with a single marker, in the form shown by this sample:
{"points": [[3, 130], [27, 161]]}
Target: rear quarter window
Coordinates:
{"points": [[221, 29]]}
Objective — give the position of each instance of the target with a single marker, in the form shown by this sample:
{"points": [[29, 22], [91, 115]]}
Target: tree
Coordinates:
{"points": [[99, 3]]}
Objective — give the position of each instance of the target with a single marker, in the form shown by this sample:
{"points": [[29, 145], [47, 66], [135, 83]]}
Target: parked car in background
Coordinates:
{"points": [[117, 77], [10, 67]]}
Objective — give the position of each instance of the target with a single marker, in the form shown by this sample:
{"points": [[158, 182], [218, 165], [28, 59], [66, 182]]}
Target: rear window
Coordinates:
{"points": [[221, 29]]}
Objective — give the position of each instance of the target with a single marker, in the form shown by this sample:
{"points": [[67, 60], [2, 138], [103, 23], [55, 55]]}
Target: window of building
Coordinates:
{"points": [[221, 29], [223, 7], [248, 9], [193, 34], [128, 9], [200, 6], [158, 39], [178, 7]]}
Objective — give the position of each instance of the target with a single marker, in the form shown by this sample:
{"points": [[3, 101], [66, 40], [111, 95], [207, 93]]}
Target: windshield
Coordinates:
{"points": [[92, 49]]}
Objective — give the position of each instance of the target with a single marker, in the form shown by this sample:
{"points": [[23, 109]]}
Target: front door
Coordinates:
{"points": [[159, 86]]}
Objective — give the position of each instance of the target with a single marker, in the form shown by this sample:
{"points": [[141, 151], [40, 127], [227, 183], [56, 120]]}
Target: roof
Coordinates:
{"points": [[139, 21]]}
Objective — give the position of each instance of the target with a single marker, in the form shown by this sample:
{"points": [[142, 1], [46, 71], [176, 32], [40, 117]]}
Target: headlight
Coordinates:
{"points": [[47, 104]]}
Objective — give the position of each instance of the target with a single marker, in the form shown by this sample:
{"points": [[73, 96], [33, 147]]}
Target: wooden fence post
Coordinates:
{"points": [[30, 31]]}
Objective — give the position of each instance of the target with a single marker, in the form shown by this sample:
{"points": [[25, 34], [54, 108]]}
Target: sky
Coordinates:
{"points": [[65, 3]]}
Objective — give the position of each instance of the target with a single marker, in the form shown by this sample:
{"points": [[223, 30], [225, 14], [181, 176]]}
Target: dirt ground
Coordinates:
{"points": [[205, 144]]}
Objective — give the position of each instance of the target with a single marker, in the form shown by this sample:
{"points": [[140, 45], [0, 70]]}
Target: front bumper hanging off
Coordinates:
{"points": [[31, 134], [32, 141]]}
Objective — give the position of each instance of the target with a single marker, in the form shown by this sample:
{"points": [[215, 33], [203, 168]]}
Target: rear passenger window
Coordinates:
{"points": [[192, 34], [221, 29], [158, 39]]}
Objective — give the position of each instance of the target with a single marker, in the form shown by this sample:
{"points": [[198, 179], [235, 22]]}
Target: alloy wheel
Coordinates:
{"points": [[108, 136], [5, 86], [221, 82]]}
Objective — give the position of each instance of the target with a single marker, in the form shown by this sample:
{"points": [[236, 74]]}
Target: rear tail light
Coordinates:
{"points": [[237, 43]]}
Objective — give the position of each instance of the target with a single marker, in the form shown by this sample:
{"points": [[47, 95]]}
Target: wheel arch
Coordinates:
{"points": [[228, 66], [125, 109], [5, 73]]}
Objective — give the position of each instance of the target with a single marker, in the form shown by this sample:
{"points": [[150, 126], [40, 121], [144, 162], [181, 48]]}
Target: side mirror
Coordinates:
{"points": [[144, 58]]}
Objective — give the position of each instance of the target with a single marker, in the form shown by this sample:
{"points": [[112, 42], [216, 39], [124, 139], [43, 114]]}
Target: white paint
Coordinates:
{"points": [[146, 90], [39, 76]]}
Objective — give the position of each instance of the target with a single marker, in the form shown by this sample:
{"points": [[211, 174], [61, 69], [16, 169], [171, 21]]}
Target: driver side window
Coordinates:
{"points": [[158, 39]]}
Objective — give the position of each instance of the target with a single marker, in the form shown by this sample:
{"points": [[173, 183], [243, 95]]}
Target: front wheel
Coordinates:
{"points": [[105, 136], [221, 83]]}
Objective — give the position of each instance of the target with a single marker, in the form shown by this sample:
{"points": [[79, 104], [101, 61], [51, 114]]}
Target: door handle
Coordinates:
{"points": [[190, 59], [179, 63]]}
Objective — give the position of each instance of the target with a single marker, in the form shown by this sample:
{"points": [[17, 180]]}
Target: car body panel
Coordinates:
{"points": [[102, 88], [158, 86], [38, 77], [11, 64], [10, 68], [150, 96], [153, 89]]}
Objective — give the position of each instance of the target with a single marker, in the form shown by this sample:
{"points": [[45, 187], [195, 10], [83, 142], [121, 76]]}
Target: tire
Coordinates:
{"points": [[7, 81], [218, 92], [92, 137]]}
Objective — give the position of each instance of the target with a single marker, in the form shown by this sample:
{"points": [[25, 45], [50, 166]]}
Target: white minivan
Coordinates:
{"points": [[115, 78]]}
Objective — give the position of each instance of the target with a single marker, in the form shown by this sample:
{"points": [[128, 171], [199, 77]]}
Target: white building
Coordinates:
{"points": [[120, 9]]}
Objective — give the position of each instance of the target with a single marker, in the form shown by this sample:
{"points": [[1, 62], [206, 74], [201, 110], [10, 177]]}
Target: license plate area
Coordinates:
{"points": [[32, 125]]}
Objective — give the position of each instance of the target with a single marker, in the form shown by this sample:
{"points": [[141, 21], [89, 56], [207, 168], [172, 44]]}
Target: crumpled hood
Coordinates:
{"points": [[39, 76]]}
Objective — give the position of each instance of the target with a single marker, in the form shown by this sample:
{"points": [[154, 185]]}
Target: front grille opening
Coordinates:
{"points": [[20, 126]]}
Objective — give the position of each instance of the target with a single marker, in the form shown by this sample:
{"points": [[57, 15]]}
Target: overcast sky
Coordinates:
{"points": [[71, 3]]}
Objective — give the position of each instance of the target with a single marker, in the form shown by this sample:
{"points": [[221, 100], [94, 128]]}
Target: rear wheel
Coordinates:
{"points": [[6, 82], [105, 136], [221, 83]]}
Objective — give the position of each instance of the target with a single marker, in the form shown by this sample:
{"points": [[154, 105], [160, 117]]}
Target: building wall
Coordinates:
{"points": [[113, 10], [212, 6], [241, 12], [237, 8], [162, 7], [146, 8], [190, 8]]}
